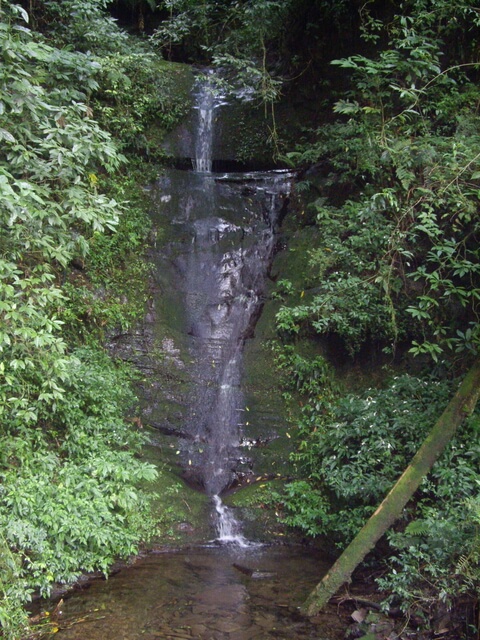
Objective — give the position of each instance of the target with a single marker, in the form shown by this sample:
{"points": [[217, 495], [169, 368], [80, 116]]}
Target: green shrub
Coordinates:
{"points": [[348, 292], [350, 452], [435, 559], [140, 97], [69, 496], [72, 488]]}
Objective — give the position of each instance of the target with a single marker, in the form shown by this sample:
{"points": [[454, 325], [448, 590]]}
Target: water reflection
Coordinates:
{"points": [[207, 593]]}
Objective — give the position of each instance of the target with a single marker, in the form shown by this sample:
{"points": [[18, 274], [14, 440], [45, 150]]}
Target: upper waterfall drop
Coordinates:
{"points": [[208, 99]]}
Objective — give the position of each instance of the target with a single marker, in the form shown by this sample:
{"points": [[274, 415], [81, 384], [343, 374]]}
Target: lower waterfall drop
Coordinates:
{"points": [[219, 258], [228, 528]]}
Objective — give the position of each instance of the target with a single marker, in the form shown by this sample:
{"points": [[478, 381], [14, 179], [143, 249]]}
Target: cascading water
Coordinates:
{"points": [[208, 100], [227, 228], [228, 528]]}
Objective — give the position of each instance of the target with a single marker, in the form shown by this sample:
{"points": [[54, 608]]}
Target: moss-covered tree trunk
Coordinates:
{"points": [[461, 405]]}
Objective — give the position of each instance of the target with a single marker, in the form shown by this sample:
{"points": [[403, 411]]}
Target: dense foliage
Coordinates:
{"points": [[69, 499], [404, 242], [352, 448], [389, 203], [232, 34], [73, 103]]}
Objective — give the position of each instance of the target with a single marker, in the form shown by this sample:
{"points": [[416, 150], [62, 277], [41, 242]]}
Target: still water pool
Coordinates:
{"points": [[213, 592]]}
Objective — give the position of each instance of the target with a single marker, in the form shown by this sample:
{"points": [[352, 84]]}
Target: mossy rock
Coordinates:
{"points": [[182, 512], [254, 507]]}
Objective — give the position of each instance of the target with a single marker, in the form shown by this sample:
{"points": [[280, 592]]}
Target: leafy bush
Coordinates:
{"points": [[70, 475], [139, 98], [360, 446], [81, 24], [344, 280], [69, 496], [49, 211], [435, 560], [406, 146], [305, 508], [350, 452], [109, 290]]}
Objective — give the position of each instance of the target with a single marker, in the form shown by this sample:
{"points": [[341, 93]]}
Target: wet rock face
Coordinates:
{"points": [[216, 262], [216, 239], [222, 239]]}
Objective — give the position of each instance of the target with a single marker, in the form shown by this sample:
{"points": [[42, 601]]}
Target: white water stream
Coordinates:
{"points": [[208, 99], [213, 275], [228, 528]]}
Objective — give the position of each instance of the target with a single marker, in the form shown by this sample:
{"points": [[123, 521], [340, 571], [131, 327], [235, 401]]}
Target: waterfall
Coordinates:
{"points": [[219, 257], [223, 272], [228, 528], [208, 99]]}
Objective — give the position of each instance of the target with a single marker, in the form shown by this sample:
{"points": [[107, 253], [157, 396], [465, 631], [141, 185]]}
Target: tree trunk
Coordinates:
{"points": [[462, 404]]}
